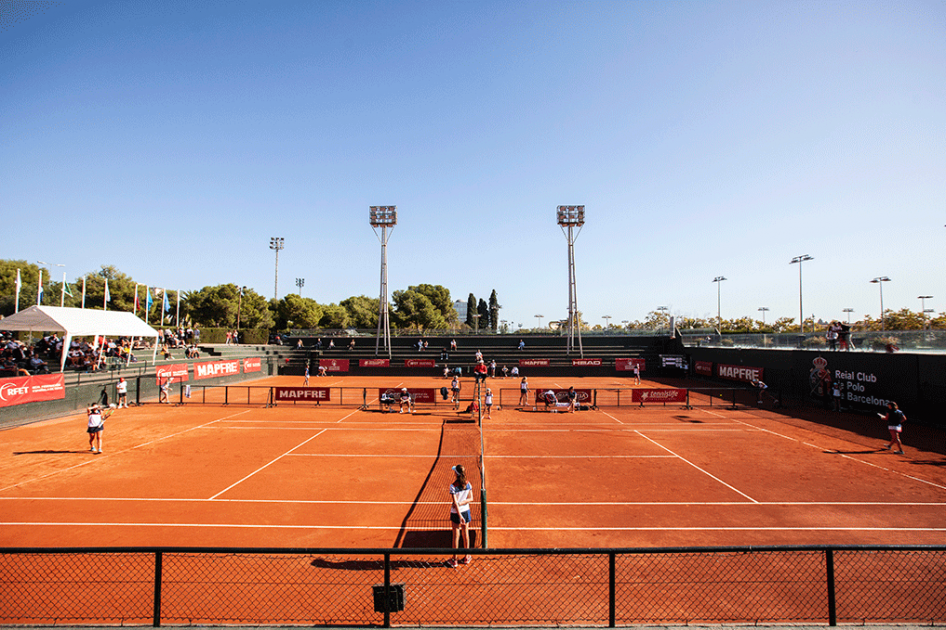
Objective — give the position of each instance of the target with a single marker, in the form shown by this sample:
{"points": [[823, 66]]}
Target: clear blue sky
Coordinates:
{"points": [[172, 139]]}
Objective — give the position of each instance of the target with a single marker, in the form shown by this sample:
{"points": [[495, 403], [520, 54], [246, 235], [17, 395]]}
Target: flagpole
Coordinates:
{"points": [[177, 314], [135, 307]]}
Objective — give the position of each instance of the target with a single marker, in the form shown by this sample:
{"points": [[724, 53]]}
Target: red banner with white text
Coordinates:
{"points": [[27, 389], [659, 395], [743, 373], [302, 394], [627, 365], [176, 372], [214, 369], [413, 363], [252, 364], [586, 362], [374, 362], [334, 365], [703, 368], [534, 362]]}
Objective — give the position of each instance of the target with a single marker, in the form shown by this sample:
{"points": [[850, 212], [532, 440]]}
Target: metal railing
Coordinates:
{"points": [[388, 587], [866, 341]]}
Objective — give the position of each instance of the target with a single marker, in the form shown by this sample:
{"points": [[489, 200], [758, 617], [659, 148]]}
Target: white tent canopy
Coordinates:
{"points": [[78, 322]]}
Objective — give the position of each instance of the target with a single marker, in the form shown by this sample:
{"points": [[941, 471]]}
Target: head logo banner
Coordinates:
{"points": [[586, 362], [27, 389], [252, 364], [334, 365], [215, 369], [176, 372]]}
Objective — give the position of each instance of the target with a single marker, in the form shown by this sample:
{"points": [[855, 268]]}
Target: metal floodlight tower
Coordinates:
{"points": [[799, 260], [879, 281], [719, 311], [921, 298], [300, 282], [383, 217], [763, 309], [276, 243], [848, 311], [571, 217]]}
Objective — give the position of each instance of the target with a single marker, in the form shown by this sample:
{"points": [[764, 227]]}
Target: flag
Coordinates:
{"points": [[39, 289], [65, 288], [136, 300], [19, 283], [108, 296], [148, 300], [167, 304]]}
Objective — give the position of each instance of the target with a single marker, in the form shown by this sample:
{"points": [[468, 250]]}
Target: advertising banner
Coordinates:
{"points": [[659, 395], [214, 369], [334, 365], [302, 394], [413, 363], [252, 364], [586, 362], [27, 389], [374, 363], [561, 395], [177, 372], [421, 395], [534, 362], [627, 365], [703, 368], [742, 373]]}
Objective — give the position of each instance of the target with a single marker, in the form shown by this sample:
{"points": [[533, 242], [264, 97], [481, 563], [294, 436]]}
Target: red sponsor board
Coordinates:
{"points": [[177, 372], [374, 363], [420, 394], [580, 362], [704, 368], [334, 365], [412, 363], [214, 369], [743, 373], [534, 362], [302, 394], [561, 395], [659, 395], [27, 389], [627, 365], [252, 364]]}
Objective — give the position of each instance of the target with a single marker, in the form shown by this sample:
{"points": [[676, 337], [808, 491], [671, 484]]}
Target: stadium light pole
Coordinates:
{"points": [[625, 322], [719, 317], [383, 217], [276, 243], [476, 323], [300, 282], [799, 260], [848, 311], [538, 317], [663, 309], [921, 298], [607, 321], [763, 309], [570, 217], [879, 281]]}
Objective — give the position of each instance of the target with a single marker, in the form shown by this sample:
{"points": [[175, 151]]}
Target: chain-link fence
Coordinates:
{"points": [[499, 587]]}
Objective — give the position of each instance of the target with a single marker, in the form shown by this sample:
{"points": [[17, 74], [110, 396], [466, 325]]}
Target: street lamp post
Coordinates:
{"points": [[879, 281], [300, 282], [276, 243], [923, 309], [763, 309], [719, 317], [799, 260], [848, 311]]}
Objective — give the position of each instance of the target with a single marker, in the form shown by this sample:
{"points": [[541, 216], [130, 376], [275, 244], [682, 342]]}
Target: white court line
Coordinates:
{"points": [[269, 464], [697, 467], [610, 416], [494, 528], [581, 456], [97, 457]]}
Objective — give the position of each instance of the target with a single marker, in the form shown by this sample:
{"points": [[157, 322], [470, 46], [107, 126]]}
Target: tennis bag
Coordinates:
{"points": [[444, 392]]}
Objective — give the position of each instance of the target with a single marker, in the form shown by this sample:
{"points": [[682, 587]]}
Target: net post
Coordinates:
{"points": [[387, 590], [158, 570], [829, 578], [612, 590], [483, 519]]}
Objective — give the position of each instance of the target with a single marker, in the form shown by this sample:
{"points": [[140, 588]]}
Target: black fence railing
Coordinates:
{"points": [[394, 587]]}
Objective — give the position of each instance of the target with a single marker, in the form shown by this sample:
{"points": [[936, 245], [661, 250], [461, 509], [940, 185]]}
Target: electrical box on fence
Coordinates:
{"points": [[395, 597]]}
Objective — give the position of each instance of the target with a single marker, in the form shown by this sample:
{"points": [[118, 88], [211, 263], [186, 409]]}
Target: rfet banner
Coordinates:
{"points": [[659, 395], [703, 368], [580, 362], [627, 365], [214, 369], [413, 363], [561, 395], [334, 365], [301, 394], [534, 362], [27, 389], [374, 362], [743, 373], [420, 395], [252, 364], [176, 372]]}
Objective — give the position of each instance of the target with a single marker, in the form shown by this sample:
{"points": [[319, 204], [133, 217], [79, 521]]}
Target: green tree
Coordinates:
{"points": [[214, 307], [362, 311], [121, 290], [482, 310], [494, 307], [904, 319], [29, 275], [302, 312], [415, 310], [334, 316], [471, 311], [440, 297], [255, 311], [785, 325]]}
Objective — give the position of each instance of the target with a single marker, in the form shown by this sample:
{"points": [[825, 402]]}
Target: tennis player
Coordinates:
{"points": [[96, 426], [895, 419], [461, 493], [405, 399]]}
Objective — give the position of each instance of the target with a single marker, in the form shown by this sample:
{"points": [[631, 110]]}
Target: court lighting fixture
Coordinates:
{"points": [[383, 217], [300, 282], [276, 243], [848, 311], [569, 218], [763, 309], [879, 281], [799, 260], [719, 318], [539, 317], [921, 298]]}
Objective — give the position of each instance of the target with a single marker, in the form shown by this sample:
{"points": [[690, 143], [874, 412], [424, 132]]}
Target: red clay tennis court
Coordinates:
{"points": [[306, 476]]}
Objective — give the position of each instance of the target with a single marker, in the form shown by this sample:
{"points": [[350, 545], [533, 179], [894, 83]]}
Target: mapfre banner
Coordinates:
{"points": [[534, 362], [627, 365], [334, 365], [302, 394], [739, 372], [176, 372], [659, 395], [27, 389], [252, 364], [215, 369]]}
